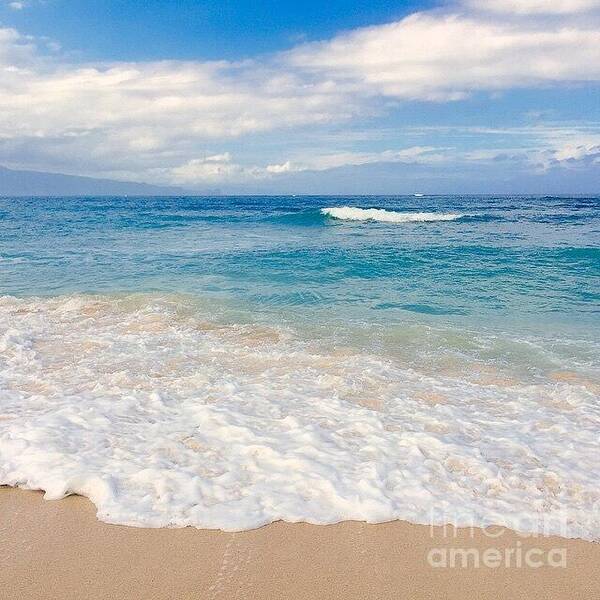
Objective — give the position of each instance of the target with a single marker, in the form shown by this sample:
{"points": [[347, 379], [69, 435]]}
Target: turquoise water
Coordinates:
{"points": [[275, 360], [524, 266]]}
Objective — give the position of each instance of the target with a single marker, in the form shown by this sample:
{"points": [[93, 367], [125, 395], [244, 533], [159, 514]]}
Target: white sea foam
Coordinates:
{"points": [[163, 417], [349, 213]]}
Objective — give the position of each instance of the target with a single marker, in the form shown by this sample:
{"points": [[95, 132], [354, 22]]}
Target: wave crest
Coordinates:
{"points": [[349, 213]]}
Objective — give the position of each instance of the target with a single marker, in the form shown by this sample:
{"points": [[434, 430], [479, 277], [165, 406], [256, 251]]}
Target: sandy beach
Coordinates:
{"points": [[58, 549]]}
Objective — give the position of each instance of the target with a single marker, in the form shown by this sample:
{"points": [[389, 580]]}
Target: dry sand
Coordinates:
{"points": [[57, 549]]}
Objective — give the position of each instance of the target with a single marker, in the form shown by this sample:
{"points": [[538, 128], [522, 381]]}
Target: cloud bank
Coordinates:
{"points": [[159, 121]]}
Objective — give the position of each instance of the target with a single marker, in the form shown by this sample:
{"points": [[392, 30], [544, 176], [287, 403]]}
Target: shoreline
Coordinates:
{"points": [[59, 549]]}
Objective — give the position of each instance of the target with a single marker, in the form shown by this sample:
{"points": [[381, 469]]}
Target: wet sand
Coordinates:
{"points": [[58, 549]]}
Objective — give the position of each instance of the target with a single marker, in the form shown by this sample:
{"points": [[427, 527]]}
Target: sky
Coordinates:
{"points": [[462, 96]]}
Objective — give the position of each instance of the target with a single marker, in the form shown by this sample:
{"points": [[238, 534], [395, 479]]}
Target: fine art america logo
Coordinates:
{"points": [[523, 544]]}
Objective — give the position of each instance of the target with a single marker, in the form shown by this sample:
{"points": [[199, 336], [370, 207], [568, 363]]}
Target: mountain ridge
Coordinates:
{"points": [[16, 182]]}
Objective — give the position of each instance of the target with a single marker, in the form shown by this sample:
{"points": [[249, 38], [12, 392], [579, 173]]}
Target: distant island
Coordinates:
{"points": [[36, 183]]}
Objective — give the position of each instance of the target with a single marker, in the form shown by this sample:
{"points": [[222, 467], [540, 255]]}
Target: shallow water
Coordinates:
{"points": [[226, 362]]}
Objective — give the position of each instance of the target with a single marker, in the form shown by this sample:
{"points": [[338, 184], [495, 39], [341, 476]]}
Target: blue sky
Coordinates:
{"points": [[336, 97], [186, 29]]}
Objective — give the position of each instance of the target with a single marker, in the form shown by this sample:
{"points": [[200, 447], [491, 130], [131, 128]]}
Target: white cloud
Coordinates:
{"points": [[572, 152], [212, 169], [286, 167], [445, 57], [16, 51], [218, 168], [540, 147], [16, 5], [549, 149], [564, 148], [324, 162], [136, 116], [529, 7]]}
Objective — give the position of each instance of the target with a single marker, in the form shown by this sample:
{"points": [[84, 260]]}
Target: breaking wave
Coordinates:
{"points": [[349, 213]]}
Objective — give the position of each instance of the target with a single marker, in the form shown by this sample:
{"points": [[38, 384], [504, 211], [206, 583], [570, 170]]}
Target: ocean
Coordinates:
{"points": [[225, 362]]}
